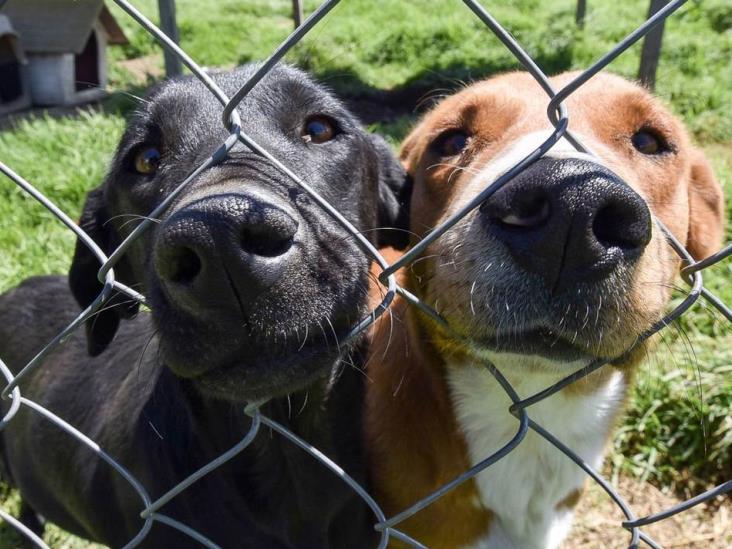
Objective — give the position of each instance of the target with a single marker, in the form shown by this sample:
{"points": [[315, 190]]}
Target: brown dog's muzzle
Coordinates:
{"points": [[569, 221]]}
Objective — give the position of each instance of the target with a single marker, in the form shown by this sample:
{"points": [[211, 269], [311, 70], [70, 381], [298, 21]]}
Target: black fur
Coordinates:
{"points": [[164, 392]]}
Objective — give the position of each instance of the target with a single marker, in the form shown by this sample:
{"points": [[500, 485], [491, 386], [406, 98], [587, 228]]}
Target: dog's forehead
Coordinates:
{"points": [[285, 93], [282, 88], [517, 98]]}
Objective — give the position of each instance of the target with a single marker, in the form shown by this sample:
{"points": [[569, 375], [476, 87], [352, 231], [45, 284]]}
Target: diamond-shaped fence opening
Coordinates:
{"points": [[388, 527]]}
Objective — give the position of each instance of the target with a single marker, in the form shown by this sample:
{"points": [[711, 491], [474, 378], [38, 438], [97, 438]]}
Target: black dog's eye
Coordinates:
{"points": [[319, 129], [147, 160], [648, 142], [451, 143]]}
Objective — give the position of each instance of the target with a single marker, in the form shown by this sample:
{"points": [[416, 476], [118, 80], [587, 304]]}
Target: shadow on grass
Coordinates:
{"points": [[423, 90], [118, 102]]}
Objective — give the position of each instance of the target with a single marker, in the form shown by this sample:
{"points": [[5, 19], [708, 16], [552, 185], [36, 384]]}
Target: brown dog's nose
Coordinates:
{"points": [[224, 248], [568, 220]]}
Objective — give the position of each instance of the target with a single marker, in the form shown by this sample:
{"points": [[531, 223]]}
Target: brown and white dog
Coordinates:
{"points": [[562, 265]]}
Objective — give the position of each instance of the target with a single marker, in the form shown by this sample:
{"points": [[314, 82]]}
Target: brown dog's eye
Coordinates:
{"points": [[647, 142], [452, 143], [318, 129], [147, 160]]}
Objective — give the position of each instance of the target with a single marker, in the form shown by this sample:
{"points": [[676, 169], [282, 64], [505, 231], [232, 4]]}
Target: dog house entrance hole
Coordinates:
{"points": [[11, 86], [86, 65]]}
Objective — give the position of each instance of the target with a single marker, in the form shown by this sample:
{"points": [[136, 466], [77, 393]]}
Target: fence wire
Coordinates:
{"points": [[388, 527]]}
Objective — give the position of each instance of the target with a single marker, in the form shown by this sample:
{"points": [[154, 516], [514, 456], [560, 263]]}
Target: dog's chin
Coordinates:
{"points": [[539, 346], [250, 374], [242, 383], [538, 342], [264, 358]]}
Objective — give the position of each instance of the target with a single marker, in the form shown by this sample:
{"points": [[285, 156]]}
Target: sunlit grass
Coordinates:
{"points": [[677, 432]]}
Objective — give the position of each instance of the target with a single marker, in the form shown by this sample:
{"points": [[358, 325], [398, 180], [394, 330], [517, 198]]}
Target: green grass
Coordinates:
{"points": [[677, 432], [63, 158], [427, 43], [678, 429]]}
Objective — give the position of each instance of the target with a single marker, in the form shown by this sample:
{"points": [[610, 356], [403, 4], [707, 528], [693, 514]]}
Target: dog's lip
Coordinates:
{"points": [[539, 341], [273, 376], [276, 370], [233, 356]]}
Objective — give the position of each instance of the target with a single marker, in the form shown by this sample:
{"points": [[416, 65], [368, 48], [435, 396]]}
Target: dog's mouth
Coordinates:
{"points": [[595, 326], [270, 374], [541, 342], [246, 342], [241, 363], [511, 312]]}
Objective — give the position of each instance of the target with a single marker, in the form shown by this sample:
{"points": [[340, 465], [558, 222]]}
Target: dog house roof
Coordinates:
{"points": [[8, 33], [60, 26]]}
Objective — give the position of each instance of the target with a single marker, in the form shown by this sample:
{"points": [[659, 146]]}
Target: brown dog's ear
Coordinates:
{"points": [[102, 326], [406, 148], [395, 190], [706, 209]]}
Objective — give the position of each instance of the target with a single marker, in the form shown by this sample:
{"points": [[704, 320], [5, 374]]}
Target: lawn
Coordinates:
{"points": [[677, 433]]}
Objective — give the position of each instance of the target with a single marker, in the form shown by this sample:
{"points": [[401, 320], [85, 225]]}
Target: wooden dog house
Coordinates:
{"points": [[14, 88], [65, 42]]}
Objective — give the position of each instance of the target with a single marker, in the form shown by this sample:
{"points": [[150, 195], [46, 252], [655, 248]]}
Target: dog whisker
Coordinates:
{"points": [[423, 258], [335, 335], [325, 336], [304, 403], [131, 95], [586, 318], [349, 235], [399, 386], [362, 370], [112, 306], [437, 93], [472, 290]]}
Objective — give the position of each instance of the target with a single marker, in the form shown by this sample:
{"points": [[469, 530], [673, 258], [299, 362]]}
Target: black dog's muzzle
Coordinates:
{"points": [[220, 251]]}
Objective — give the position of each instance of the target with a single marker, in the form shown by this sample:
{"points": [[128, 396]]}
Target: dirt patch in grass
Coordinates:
{"points": [[598, 520], [143, 70]]}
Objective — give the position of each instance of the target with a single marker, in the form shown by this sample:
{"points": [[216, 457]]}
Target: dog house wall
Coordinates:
{"points": [[14, 85], [66, 45]]}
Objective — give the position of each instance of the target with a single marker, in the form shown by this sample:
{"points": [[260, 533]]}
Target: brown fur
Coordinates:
{"points": [[413, 440], [412, 432]]}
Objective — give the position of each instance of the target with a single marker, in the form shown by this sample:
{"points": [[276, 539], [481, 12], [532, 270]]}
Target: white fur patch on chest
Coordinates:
{"points": [[523, 489]]}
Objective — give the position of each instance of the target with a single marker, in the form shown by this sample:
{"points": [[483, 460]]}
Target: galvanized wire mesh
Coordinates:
{"points": [[387, 527]]}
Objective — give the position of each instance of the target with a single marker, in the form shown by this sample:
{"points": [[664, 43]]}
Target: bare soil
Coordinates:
{"points": [[598, 520]]}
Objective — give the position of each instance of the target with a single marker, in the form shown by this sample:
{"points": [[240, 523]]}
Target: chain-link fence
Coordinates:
{"points": [[388, 527]]}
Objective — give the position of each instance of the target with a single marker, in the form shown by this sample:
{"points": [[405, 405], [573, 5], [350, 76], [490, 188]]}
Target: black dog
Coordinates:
{"points": [[251, 285]]}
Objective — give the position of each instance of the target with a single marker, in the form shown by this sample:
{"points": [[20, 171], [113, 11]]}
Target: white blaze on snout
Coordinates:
{"points": [[515, 152]]}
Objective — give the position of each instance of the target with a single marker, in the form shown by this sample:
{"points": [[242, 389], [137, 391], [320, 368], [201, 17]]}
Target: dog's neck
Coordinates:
{"points": [[535, 480], [432, 413], [276, 479]]}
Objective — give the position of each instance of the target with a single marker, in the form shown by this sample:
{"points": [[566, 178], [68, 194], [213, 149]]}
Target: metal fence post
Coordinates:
{"points": [[579, 15], [173, 65], [651, 51], [297, 12]]}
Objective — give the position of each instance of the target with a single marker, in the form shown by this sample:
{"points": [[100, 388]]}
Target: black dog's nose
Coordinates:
{"points": [[222, 248], [568, 220]]}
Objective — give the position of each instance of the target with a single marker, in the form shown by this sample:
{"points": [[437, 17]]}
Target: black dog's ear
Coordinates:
{"points": [[395, 190], [101, 327]]}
